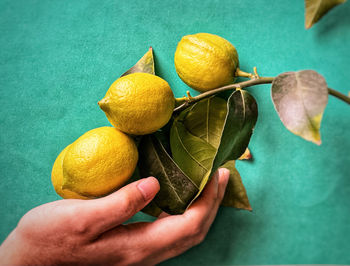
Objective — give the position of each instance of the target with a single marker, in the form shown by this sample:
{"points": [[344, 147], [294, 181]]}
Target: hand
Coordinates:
{"points": [[91, 232]]}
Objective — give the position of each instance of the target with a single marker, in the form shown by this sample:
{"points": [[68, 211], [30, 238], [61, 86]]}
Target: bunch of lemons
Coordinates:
{"points": [[103, 159]]}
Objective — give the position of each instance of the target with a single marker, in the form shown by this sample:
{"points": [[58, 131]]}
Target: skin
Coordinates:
{"points": [[78, 232]]}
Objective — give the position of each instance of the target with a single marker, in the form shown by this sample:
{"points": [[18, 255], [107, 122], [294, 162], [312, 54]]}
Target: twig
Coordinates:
{"points": [[244, 84], [339, 95], [240, 85]]}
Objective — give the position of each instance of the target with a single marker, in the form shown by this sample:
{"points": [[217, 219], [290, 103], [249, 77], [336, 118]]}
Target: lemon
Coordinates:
{"points": [[206, 61], [138, 103], [57, 178], [99, 162]]}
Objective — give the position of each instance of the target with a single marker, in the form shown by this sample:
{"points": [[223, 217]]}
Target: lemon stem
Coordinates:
{"points": [[185, 98], [256, 75], [189, 96], [240, 73]]}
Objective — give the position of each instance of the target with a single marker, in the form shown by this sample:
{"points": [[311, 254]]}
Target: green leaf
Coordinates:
{"points": [[190, 152], [201, 154], [195, 136], [316, 9], [176, 189], [235, 194], [239, 123], [206, 120], [163, 135], [300, 99], [145, 64], [152, 209]]}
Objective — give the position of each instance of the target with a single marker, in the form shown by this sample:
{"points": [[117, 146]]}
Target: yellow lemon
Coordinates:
{"points": [[99, 162], [206, 61], [138, 103], [57, 178]]}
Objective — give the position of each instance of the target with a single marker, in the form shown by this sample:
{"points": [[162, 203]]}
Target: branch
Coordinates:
{"points": [[189, 100], [339, 95]]}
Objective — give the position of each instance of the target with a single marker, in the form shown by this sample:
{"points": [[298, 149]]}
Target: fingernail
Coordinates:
{"points": [[148, 187], [224, 176]]}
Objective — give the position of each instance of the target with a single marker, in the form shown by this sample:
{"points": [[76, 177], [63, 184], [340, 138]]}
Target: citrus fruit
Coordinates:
{"points": [[57, 178], [138, 103], [206, 61], [99, 162]]}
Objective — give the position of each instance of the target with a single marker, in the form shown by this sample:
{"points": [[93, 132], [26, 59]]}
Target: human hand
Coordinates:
{"points": [[91, 232]]}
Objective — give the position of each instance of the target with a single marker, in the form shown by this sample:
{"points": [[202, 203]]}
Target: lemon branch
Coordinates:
{"points": [[189, 100], [339, 95]]}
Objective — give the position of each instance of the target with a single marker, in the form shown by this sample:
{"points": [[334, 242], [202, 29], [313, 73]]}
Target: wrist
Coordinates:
{"points": [[12, 251]]}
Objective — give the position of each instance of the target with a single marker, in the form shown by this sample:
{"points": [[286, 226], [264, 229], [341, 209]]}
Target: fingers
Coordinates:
{"points": [[100, 215], [171, 235], [224, 175], [210, 197], [205, 203], [193, 225], [203, 211]]}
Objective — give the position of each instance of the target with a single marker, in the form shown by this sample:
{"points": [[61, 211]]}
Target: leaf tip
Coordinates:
{"points": [[308, 25], [247, 155], [248, 208], [318, 142], [316, 138]]}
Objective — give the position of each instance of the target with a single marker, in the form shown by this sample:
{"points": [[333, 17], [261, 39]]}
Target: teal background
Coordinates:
{"points": [[58, 58]]}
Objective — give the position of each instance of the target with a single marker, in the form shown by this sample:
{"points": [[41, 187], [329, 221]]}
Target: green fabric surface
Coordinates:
{"points": [[58, 58]]}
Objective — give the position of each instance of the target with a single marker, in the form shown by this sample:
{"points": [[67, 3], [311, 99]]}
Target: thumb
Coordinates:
{"points": [[106, 213]]}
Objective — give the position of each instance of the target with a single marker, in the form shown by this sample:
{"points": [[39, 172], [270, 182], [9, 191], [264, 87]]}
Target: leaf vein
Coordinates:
{"points": [[183, 145], [166, 175], [302, 100]]}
